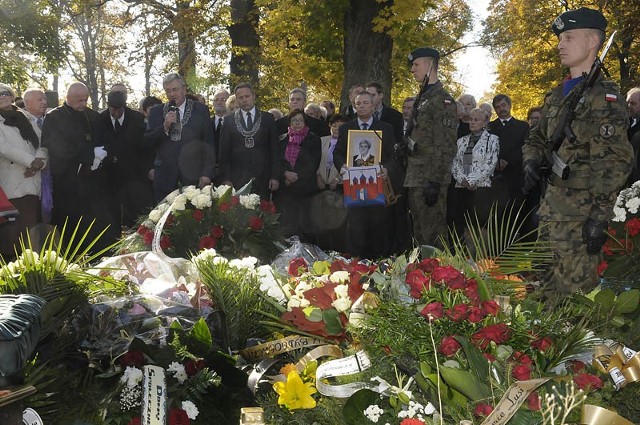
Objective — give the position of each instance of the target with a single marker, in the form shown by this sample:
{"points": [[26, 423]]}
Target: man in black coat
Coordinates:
{"points": [[371, 229], [509, 175], [298, 100], [74, 137], [127, 163], [181, 133], [249, 146]]}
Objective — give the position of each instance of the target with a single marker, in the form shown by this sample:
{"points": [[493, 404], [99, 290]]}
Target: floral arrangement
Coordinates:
{"points": [[622, 249], [234, 223]]}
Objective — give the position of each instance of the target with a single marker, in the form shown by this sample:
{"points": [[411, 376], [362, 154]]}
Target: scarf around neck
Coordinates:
{"points": [[14, 118], [293, 146]]}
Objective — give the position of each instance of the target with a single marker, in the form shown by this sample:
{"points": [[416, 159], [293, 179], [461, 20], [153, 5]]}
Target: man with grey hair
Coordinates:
{"points": [[74, 137], [298, 100], [180, 131]]}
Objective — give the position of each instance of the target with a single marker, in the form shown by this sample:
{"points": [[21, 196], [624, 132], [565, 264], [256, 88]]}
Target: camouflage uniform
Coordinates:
{"points": [[600, 160], [433, 129]]}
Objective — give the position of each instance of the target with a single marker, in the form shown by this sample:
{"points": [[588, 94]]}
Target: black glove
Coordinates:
{"points": [[400, 151], [531, 177], [430, 193], [594, 235]]}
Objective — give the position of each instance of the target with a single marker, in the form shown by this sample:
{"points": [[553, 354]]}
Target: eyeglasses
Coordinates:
{"points": [[5, 93]]}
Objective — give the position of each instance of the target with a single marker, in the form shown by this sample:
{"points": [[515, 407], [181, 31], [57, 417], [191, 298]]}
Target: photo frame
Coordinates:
{"points": [[369, 139]]}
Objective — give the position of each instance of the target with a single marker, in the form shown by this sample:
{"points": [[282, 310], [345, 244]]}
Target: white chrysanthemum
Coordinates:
{"points": [[339, 276], [373, 413], [180, 203], [179, 372], [250, 201], [206, 255], [202, 200], [342, 291], [342, 304], [248, 263], [190, 409], [632, 205], [620, 214], [131, 376], [221, 190], [155, 215]]}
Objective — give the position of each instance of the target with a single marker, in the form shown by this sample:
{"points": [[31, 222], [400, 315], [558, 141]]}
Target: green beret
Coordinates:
{"points": [[423, 52], [579, 18]]}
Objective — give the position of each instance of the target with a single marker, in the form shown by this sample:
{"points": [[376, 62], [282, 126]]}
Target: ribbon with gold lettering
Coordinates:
{"points": [[620, 362], [511, 401], [280, 346], [594, 415]]}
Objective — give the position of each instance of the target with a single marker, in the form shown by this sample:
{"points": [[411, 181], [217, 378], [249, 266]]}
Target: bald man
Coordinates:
{"points": [[73, 135]]}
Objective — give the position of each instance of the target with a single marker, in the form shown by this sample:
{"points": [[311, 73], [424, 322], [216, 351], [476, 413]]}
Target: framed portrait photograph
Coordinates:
{"points": [[364, 148]]}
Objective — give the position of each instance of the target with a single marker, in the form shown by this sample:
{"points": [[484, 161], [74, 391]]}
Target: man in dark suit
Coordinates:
{"points": [[382, 112], [298, 100], [371, 229], [180, 131], [349, 111], [249, 146], [509, 175], [127, 164]]}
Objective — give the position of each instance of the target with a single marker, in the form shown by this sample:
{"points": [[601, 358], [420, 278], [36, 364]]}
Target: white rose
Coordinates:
{"points": [[170, 197], [155, 215], [340, 276], [342, 304], [180, 203]]}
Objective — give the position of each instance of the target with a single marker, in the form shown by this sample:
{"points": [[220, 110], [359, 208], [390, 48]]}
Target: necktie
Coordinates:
{"points": [[219, 123], [364, 126], [376, 115], [117, 126], [249, 120], [40, 123], [218, 128]]}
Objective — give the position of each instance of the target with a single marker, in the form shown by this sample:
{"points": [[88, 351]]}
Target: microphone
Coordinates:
{"points": [[172, 108]]}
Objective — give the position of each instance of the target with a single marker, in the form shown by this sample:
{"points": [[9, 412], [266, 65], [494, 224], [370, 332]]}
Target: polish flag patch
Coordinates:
{"points": [[610, 97]]}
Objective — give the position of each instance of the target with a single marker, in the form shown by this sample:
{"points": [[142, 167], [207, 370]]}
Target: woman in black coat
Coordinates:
{"points": [[300, 156]]}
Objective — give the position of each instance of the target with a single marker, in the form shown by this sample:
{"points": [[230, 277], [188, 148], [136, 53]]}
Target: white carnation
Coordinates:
{"points": [[632, 205], [131, 376], [250, 201], [342, 291], [190, 409], [620, 214], [339, 276], [179, 372], [202, 200], [342, 304]]}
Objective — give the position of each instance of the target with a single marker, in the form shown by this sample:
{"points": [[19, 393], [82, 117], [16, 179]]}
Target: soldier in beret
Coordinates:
{"points": [[431, 143], [574, 212]]}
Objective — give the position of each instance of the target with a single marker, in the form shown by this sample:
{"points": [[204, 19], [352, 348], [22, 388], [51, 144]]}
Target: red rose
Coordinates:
{"points": [[433, 311], [411, 421], [586, 381], [476, 315], [224, 207], [607, 250], [602, 267], [170, 219], [498, 333], [132, 358], [148, 237], [490, 307], [483, 409], [418, 283], [142, 230], [521, 358], [471, 290], [576, 366], [135, 421], [207, 242], [297, 266], [165, 242], [235, 200], [633, 226], [521, 372], [178, 417], [217, 232], [428, 264], [193, 366], [198, 215], [490, 357], [458, 313], [533, 401], [542, 344], [449, 346], [255, 223], [448, 275]]}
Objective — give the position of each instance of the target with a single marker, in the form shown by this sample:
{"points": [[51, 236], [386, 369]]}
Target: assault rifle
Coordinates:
{"points": [[568, 113]]}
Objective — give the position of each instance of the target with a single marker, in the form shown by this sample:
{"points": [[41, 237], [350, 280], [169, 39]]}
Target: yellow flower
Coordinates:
{"points": [[289, 367], [295, 394]]}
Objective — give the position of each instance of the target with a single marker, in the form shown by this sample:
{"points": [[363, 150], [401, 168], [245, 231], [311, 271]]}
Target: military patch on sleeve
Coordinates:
{"points": [[607, 130], [446, 122], [610, 97]]}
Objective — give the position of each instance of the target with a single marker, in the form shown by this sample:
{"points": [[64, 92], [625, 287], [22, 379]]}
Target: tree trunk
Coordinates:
{"points": [[245, 42], [367, 54], [186, 41]]}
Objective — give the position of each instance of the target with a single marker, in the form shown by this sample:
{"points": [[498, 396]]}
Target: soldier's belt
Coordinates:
{"points": [[573, 182]]}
